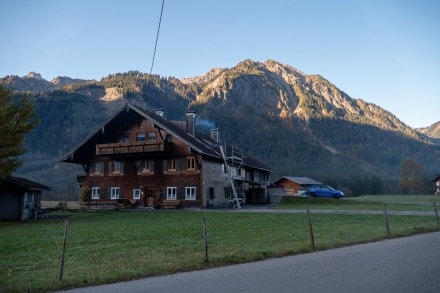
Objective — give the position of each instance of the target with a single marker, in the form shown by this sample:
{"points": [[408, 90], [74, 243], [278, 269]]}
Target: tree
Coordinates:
{"points": [[411, 180], [17, 117]]}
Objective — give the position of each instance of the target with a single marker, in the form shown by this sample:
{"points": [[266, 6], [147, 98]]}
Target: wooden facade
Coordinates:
{"points": [[294, 185], [141, 156]]}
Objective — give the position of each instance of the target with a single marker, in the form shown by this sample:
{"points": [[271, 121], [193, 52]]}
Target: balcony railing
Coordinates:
{"points": [[133, 147]]}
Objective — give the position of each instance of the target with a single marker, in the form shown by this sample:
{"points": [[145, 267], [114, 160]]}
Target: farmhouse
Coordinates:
{"points": [[140, 158], [20, 198], [294, 185]]}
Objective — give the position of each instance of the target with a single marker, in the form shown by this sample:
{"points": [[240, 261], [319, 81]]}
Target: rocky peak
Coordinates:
{"points": [[34, 75]]}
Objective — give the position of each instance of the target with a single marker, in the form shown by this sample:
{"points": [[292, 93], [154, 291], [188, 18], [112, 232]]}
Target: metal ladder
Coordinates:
{"points": [[236, 200]]}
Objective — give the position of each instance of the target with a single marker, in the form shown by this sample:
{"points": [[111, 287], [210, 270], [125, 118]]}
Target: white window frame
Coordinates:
{"points": [[172, 192], [190, 193], [95, 192], [115, 192], [137, 193], [117, 167]]}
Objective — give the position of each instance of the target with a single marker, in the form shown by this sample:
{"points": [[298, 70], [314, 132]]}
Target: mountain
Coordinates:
{"points": [[299, 124], [432, 131], [34, 82]]}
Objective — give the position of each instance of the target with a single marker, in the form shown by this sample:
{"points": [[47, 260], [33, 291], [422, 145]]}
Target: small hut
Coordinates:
{"points": [[20, 198]]}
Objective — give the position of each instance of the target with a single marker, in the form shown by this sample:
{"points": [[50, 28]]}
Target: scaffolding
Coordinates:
{"points": [[234, 173]]}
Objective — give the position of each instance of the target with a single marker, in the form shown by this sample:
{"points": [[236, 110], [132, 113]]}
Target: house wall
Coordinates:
{"points": [[213, 183], [153, 183]]}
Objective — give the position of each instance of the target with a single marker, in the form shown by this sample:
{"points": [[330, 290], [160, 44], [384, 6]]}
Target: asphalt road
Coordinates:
{"points": [[409, 264]]}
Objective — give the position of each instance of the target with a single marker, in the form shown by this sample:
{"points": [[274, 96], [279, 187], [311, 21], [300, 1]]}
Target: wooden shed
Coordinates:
{"points": [[295, 185], [20, 198]]}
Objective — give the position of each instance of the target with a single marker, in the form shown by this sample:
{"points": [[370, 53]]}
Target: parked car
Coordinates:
{"points": [[324, 191]]}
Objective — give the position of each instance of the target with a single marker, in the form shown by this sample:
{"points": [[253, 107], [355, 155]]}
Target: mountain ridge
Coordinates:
{"points": [[297, 123]]}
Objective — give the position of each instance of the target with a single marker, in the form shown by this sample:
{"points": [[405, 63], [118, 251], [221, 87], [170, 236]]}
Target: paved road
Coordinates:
{"points": [[409, 264]]}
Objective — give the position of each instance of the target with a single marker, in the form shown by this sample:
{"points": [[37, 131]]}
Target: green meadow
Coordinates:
{"points": [[111, 246]]}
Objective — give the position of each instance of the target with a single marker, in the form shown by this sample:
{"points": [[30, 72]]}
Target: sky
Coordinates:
{"points": [[386, 52]]}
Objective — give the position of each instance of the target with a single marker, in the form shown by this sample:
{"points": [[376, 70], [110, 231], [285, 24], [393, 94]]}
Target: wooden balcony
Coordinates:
{"points": [[133, 147]]}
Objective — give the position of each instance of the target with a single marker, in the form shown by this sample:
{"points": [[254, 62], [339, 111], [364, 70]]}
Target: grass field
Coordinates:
{"points": [[110, 246], [366, 202]]}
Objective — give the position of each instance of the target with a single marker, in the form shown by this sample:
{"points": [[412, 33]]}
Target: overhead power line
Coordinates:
{"points": [[157, 37]]}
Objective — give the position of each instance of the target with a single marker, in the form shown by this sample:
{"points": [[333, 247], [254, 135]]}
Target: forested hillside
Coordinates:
{"points": [[300, 125]]}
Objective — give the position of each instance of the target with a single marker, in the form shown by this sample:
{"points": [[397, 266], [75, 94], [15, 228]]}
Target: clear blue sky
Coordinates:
{"points": [[386, 52]]}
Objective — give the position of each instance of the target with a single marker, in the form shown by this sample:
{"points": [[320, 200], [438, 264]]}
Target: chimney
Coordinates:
{"points": [[215, 134], [160, 112], [191, 123]]}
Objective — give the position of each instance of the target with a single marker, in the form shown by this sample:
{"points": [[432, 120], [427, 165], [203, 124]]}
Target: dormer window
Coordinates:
{"points": [[151, 136]]}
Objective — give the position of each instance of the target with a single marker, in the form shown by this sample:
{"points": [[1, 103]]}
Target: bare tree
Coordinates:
{"points": [[411, 179]]}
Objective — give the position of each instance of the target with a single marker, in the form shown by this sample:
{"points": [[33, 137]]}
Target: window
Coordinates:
{"points": [[190, 163], [136, 193], [125, 138], [95, 192], [172, 165], [211, 194], [145, 166], [114, 193], [171, 192], [190, 193], [98, 168], [140, 136], [228, 192], [117, 167], [151, 136]]}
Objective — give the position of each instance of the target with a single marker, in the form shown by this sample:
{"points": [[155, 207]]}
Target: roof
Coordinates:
{"points": [[25, 183], [129, 114], [298, 180], [437, 177]]}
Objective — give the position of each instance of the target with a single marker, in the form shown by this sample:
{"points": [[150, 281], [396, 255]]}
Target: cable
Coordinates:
{"points": [[157, 38]]}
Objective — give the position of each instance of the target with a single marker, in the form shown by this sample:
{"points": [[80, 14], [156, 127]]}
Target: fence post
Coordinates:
{"points": [[64, 250], [387, 226], [436, 213], [309, 222], [205, 236]]}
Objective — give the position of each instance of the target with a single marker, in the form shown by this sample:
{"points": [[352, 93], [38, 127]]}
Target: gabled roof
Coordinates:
{"points": [[129, 114], [298, 180], [25, 183]]}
